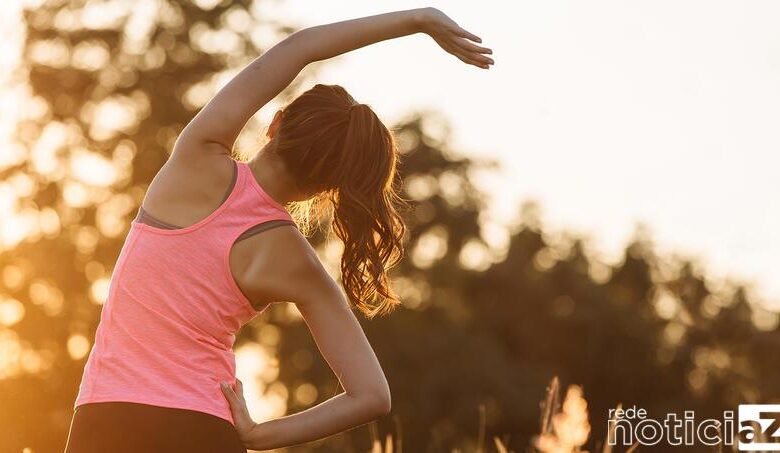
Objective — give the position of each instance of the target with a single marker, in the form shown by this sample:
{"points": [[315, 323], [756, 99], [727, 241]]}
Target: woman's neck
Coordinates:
{"points": [[270, 172]]}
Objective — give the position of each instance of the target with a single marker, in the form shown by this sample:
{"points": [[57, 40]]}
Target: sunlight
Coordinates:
{"points": [[11, 312], [49, 222], [431, 247], [43, 156], [78, 346], [92, 168], [86, 239], [475, 256], [421, 187], [12, 276], [33, 361], [214, 41], [53, 53], [305, 394], [207, 4], [252, 361], [666, 305], [90, 56], [139, 23], [111, 214], [544, 260], [413, 292], [8, 199], [101, 15], [47, 296], [119, 113], [11, 96], [15, 227], [76, 194], [10, 32], [98, 290], [10, 353]]}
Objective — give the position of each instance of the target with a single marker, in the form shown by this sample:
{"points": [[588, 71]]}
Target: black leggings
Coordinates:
{"points": [[120, 427]]}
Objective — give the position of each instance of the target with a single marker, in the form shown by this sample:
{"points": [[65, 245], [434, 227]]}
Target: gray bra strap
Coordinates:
{"points": [[146, 218]]}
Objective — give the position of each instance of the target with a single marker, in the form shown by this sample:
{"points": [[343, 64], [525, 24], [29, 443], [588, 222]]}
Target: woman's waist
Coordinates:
{"points": [[178, 323], [146, 412], [153, 404], [118, 358], [152, 380]]}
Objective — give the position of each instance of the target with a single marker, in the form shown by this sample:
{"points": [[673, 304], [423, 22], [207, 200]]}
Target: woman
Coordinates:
{"points": [[194, 267]]}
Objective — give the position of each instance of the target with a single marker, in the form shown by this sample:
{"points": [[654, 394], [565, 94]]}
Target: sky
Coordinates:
{"points": [[607, 113]]}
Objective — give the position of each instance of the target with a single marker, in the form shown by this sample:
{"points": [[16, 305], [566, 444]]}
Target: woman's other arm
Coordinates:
{"points": [[296, 274]]}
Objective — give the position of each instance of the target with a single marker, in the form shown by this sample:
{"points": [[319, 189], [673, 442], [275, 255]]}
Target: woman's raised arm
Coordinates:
{"points": [[216, 127]]}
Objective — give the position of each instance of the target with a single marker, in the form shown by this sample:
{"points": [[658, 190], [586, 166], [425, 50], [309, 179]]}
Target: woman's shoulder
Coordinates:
{"points": [[187, 188], [286, 267]]}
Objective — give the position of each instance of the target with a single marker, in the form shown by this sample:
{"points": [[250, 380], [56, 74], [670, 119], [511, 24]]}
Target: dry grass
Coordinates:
{"points": [[564, 427]]}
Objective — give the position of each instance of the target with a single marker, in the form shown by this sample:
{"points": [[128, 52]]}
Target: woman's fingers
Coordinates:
{"points": [[469, 57], [473, 51], [240, 388], [475, 63], [470, 60], [481, 59], [241, 417], [231, 396], [468, 52], [468, 46], [466, 34]]}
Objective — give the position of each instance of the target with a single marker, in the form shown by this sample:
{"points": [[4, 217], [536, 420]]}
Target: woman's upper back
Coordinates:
{"points": [[168, 326]]}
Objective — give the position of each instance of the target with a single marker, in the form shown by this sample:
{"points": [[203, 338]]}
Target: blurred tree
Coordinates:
{"points": [[647, 331], [111, 85]]}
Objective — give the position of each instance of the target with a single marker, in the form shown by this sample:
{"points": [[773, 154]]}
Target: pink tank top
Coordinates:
{"points": [[167, 329]]}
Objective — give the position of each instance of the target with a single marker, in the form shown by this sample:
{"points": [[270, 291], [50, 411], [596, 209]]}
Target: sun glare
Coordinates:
{"points": [[256, 368]]}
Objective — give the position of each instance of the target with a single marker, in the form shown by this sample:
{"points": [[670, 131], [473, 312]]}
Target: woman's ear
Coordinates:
{"points": [[275, 123]]}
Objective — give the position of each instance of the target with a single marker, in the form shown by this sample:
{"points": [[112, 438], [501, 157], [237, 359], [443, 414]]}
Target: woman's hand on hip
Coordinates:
{"points": [[241, 418], [454, 39]]}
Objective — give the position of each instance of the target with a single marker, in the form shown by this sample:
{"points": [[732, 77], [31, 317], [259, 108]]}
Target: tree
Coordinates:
{"points": [[111, 84], [649, 331]]}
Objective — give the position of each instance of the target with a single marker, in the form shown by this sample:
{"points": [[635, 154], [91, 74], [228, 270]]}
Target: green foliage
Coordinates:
{"points": [[496, 336]]}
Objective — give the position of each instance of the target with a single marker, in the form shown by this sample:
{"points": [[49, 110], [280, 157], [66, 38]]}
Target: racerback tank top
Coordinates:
{"points": [[168, 325]]}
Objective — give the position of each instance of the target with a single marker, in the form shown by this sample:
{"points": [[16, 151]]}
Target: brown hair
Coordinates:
{"points": [[340, 152]]}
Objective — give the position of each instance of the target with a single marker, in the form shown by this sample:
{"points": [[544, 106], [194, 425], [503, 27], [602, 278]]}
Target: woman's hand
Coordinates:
{"points": [[241, 418], [454, 39]]}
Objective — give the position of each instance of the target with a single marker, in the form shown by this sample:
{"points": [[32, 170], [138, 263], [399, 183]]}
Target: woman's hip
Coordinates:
{"points": [[133, 427]]}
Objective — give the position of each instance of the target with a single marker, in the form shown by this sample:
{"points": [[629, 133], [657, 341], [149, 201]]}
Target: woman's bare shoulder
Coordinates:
{"points": [[186, 190], [201, 167], [286, 267]]}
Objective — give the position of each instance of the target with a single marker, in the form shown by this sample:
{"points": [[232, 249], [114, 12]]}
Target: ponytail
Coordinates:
{"points": [[364, 216], [342, 151]]}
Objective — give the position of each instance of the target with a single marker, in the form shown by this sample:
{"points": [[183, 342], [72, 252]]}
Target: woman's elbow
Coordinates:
{"points": [[384, 403], [377, 404]]}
